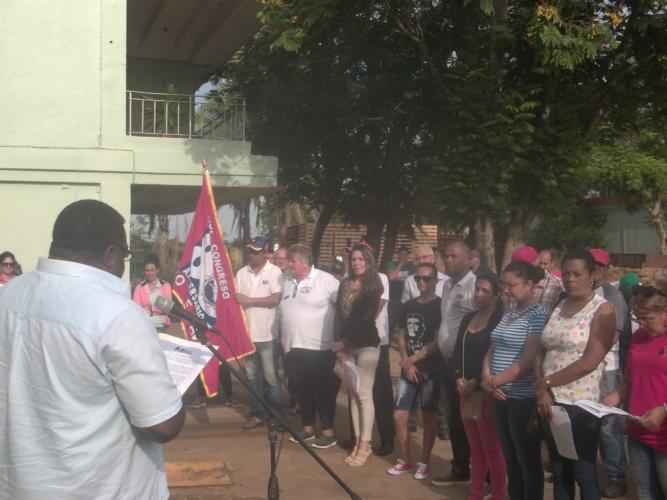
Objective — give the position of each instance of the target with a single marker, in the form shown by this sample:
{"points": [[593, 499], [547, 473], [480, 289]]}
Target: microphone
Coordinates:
{"points": [[172, 308]]}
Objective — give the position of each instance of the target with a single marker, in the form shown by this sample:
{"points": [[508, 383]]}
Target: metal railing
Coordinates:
{"points": [[185, 115]]}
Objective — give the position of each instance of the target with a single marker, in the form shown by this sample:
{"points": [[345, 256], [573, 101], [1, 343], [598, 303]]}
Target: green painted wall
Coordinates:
{"points": [[630, 232]]}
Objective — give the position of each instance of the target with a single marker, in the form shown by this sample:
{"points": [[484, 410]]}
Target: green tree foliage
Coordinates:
{"points": [[574, 225], [478, 112]]}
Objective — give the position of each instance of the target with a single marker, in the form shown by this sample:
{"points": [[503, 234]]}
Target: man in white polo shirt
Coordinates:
{"points": [[307, 317], [259, 291]]}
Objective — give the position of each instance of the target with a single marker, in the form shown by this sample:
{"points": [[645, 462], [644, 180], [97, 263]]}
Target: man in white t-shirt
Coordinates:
{"points": [[85, 394], [423, 255], [307, 315], [259, 290]]}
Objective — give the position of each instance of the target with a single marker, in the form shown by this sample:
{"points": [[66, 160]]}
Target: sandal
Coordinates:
{"points": [[362, 457], [352, 456]]}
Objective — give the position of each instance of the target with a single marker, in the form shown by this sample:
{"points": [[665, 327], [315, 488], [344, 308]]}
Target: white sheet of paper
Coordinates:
{"points": [[350, 373], [185, 359], [599, 410], [561, 429]]}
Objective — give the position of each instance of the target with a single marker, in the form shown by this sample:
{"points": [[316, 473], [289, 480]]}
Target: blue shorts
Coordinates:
{"points": [[407, 393]]}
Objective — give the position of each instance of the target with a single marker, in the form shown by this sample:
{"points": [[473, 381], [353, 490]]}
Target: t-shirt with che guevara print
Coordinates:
{"points": [[421, 323]]}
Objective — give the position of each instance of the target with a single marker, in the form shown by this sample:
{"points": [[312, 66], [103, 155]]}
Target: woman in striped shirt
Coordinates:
{"points": [[508, 375]]}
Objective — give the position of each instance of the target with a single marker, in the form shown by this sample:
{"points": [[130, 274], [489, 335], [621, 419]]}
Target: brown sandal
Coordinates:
{"points": [[362, 457], [351, 456]]}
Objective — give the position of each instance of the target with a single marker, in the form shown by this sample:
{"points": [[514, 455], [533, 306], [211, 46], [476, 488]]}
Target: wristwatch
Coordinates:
{"points": [[547, 382]]}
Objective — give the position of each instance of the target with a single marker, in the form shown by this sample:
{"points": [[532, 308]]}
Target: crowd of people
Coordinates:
{"points": [[492, 355], [487, 359]]}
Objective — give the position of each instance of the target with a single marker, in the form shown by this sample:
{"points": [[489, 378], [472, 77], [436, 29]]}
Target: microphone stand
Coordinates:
{"points": [[275, 419]]}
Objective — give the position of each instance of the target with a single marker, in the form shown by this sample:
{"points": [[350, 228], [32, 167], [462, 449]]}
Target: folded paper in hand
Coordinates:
{"points": [[350, 374], [599, 410], [185, 359]]}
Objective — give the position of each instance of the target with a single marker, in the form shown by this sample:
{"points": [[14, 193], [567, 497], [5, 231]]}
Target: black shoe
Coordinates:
{"points": [[383, 450], [615, 489], [458, 475]]}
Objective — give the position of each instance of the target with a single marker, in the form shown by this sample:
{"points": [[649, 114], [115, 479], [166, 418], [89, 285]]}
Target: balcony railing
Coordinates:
{"points": [[183, 115]]}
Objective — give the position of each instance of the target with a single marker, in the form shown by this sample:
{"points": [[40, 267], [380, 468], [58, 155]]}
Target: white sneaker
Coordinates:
{"points": [[422, 472], [401, 467]]}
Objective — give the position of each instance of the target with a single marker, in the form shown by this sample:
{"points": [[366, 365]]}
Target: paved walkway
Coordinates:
{"points": [[216, 432]]}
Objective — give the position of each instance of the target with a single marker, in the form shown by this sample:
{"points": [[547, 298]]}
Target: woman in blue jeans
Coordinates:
{"points": [[508, 375]]}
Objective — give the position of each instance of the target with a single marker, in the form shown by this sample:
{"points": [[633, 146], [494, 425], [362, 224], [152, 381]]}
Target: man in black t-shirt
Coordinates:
{"points": [[417, 335]]}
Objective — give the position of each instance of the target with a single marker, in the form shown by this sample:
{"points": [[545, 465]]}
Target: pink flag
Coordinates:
{"points": [[205, 287]]}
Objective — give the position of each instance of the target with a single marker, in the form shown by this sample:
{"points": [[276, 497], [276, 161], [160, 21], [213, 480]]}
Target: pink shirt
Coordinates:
{"points": [[647, 368]]}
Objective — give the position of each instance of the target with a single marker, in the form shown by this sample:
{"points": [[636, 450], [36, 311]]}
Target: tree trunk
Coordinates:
{"points": [[515, 233], [162, 238], [655, 212], [483, 231], [327, 212], [374, 234], [389, 243], [244, 221]]}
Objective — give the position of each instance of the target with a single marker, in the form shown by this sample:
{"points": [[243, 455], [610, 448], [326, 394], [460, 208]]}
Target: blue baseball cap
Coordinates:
{"points": [[258, 244]]}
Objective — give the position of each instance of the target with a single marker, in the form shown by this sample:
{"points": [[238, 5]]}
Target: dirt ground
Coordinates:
{"points": [[216, 433]]}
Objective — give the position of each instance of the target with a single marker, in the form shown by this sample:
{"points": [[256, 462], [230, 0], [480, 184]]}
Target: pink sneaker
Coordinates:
{"points": [[422, 472], [400, 467]]}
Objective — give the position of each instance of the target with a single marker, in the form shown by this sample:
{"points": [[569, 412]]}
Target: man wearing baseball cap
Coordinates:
{"points": [[259, 292], [612, 445]]}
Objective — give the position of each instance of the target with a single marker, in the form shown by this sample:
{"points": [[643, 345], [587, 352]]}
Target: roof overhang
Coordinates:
{"points": [[205, 33]]}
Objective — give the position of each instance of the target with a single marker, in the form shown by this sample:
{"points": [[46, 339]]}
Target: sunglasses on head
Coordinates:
{"points": [[425, 279], [646, 291]]}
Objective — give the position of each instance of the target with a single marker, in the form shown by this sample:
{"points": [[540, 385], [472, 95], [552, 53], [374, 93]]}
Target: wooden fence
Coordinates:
{"points": [[336, 236]]}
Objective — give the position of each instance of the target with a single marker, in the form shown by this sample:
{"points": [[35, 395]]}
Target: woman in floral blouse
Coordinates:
{"points": [[580, 331]]}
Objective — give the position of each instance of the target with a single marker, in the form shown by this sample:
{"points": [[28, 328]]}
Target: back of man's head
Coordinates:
{"points": [[87, 226]]}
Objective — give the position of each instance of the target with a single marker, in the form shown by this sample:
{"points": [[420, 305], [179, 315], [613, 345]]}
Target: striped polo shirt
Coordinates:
{"points": [[508, 340]]}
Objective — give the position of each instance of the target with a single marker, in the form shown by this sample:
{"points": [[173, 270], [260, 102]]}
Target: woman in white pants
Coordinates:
{"points": [[357, 339]]}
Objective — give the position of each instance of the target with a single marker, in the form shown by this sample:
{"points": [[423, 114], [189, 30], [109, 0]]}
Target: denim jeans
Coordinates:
{"points": [[649, 467], [522, 452], [585, 430], [612, 442], [262, 370]]}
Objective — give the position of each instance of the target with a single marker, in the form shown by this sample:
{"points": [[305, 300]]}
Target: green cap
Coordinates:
{"points": [[627, 282]]}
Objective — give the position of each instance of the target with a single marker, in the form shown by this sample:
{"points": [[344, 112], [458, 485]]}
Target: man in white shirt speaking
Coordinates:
{"points": [[85, 395], [259, 292]]}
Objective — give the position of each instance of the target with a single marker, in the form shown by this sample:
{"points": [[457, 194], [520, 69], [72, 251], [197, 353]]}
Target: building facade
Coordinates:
{"points": [[98, 101]]}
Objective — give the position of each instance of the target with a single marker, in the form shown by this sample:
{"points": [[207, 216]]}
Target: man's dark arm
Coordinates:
{"points": [[167, 430]]}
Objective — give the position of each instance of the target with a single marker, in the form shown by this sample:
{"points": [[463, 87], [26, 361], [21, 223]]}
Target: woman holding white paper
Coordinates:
{"points": [[357, 339], [580, 331], [644, 387]]}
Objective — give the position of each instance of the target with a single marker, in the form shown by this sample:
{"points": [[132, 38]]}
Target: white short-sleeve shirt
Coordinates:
{"points": [[81, 369], [410, 290], [382, 320], [261, 320], [307, 311], [458, 299]]}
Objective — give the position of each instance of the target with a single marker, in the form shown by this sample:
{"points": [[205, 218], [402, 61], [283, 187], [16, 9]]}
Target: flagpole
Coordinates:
{"points": [[274, 416]]}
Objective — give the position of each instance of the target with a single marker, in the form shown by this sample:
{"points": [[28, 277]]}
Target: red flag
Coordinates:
{"points": [[205, 287]]}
